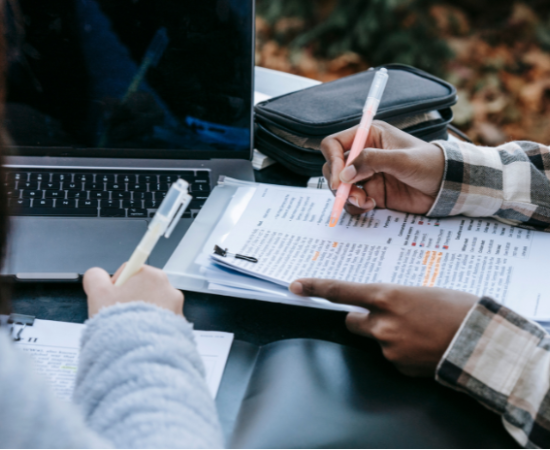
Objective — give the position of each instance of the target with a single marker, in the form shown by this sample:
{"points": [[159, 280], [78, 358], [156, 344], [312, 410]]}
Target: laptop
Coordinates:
{"points": [[109, 102]]}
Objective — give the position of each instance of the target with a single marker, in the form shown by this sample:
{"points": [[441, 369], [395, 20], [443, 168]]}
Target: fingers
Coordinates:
{"points": [[358, 202], [368, 296], [333, 148], [358, 323], [372, 161], [96, 279]]}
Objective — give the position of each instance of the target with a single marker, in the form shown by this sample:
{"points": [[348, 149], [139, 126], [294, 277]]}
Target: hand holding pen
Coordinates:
{"points": [[395, 170], [369, 111]]}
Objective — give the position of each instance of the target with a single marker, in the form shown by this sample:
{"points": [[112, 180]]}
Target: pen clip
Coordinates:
{"points": [[177, 216]]}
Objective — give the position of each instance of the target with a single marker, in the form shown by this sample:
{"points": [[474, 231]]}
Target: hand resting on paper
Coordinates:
{"points": [[150, 285], [397, 171], [413, 325]]}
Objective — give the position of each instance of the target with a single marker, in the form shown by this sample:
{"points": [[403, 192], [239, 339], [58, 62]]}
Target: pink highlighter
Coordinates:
{"points": [[369, 111]]}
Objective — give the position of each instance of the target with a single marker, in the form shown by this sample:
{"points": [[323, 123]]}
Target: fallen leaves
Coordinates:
{"points": [[501, 65]]}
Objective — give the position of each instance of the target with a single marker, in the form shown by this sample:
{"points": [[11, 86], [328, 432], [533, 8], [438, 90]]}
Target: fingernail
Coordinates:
{"points": [[354, 201], [348, 174], [296, 288], [372, 202], [335, 183]]}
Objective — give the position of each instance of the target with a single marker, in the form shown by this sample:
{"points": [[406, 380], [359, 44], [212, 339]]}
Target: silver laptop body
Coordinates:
{"points": [[111, 98]]}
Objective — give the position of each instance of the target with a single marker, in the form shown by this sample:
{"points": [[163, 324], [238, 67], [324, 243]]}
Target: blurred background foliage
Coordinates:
{"points": [[496, 52]]}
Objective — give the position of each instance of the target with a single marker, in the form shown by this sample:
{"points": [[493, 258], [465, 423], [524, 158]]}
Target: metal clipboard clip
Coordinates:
{"points": [[223, 252], [23, 321]]}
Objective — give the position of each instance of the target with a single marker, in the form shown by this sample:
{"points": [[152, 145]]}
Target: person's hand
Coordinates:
{"points": [[413, 325], [150, 285], [397, 171]]}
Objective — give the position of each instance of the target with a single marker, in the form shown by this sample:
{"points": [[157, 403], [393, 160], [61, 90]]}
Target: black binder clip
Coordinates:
{"points": [[19, 319], [223, 252]]}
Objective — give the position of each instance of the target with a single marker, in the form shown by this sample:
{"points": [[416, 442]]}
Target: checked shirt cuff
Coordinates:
{"points": [[510, 183], [472, 183], [503, 361]]}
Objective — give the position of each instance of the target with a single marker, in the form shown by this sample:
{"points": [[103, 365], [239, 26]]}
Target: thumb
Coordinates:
{"points": [[371, 161], [358, 323], [357, 294], [96, 280]]}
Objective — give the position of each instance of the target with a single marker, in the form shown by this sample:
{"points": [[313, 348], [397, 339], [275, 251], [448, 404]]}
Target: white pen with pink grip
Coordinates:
{"points": [[369, 111]]}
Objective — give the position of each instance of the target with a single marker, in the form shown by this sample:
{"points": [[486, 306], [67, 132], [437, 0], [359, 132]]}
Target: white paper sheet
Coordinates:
{"points": [[55, 347], [287, 230]]}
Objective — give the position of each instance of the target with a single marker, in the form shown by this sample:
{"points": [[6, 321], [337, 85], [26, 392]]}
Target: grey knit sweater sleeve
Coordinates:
{"points": [[140, 384]]}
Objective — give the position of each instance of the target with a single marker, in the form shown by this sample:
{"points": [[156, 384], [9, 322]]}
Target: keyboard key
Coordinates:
{"points": [[144, 195], [187, 175], [40, 177], [87, 203], [61, 177], [77, 194], [202, 175], [137, 187], [122, 195], [134, 212], [13, 193], [72, 186], [151, 204], [29, 185], [186, 215], [116, 186], [54, 186], [109, 203], [60, 203], [55, 194], [131, 204], [32, 194], [89, 186], [80, 177], [161, 187], [147, 178], [19, 202], [43, 203], [159, 196], [112, 212], [99, 194], [169, 179], [126, 178], [199, 188], [17, 176], [105, 178], [66, 212]]}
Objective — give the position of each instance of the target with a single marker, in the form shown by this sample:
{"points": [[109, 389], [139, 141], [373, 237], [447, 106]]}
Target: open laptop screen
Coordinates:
{"points": [[131, 75]]}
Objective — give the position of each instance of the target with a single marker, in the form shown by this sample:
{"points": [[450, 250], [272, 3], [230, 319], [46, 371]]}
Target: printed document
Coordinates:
{"points": [[54, 347], [287, 230]]}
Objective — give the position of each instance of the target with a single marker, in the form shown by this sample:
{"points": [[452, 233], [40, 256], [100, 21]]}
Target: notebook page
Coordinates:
{"points": [[55, 346], [287, 230]]}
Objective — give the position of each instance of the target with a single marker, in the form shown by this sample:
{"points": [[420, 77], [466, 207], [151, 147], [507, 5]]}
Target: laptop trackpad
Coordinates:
{"points": [[48, 245]]}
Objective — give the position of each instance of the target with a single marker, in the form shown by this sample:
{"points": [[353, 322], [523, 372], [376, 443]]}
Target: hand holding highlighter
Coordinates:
{"points": [[369, 111], [166, 218]]}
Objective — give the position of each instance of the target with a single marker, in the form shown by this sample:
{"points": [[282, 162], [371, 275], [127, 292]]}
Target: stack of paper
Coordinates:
{"points": [[287, 230]]}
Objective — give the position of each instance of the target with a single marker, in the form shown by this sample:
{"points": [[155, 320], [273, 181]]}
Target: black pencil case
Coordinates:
{"points": [[290, 128]]}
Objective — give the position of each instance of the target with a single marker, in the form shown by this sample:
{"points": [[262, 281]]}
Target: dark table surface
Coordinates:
{"points": [[252, 321]]}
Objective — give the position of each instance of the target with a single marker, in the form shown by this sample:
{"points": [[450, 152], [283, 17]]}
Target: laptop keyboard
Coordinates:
{"points": [[65, 193]]}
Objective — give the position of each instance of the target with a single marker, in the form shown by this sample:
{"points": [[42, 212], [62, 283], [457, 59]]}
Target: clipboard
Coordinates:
{"points": [[221, 212]]}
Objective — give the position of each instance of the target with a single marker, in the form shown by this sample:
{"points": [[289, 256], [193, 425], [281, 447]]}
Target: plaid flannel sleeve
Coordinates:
{"points": [[503, 360], [510, 183]]}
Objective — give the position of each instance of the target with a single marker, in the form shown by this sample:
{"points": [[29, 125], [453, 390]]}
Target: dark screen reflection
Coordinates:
{"points": [[164, 74]]}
